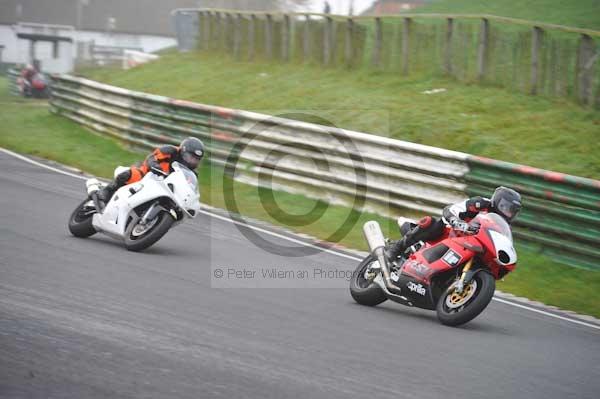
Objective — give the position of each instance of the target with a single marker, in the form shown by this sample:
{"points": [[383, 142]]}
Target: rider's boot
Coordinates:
{"points": [[400, 246], [106, 193]]}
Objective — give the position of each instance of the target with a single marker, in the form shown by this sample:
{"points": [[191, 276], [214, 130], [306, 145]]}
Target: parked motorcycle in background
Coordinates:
{"points": [[140, 213], [455, 275], [39, 87]]}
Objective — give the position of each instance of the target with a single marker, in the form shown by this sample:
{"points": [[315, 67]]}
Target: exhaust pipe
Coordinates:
{"points": [[376, 242]]}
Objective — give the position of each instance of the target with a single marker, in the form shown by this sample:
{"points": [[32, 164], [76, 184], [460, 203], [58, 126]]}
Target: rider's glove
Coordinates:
{"points": [[460, 226], [474, 227], [465, 227]]}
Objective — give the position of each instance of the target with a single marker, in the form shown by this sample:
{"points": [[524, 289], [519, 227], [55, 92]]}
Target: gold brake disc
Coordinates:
{"points": [[456, 300]]}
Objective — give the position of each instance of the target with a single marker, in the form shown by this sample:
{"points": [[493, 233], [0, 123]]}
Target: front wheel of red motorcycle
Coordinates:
{"points": [[454, 309]]}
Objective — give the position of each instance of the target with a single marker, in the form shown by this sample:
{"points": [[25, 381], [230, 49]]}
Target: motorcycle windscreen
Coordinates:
{"points": [[501, 235]]}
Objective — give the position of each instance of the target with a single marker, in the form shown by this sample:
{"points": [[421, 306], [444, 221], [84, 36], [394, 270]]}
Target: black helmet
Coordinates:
{"points": [[506, 202], [192, 151]]}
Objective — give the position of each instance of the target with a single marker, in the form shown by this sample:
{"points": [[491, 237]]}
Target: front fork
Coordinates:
{"points": [[465, 277]]}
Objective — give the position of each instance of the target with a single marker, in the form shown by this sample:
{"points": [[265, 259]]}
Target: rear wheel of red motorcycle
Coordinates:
{"points": [[455, 309], [362, 290]]}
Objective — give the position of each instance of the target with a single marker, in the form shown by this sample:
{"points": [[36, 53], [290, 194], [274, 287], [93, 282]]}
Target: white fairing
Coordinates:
{"points": [[113, 220], [503, 243]]}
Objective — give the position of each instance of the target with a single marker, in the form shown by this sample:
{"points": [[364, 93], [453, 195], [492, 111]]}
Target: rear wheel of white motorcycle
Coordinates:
{"points": [[80, 222], [362, 290], [454, 309], [139, 237]]}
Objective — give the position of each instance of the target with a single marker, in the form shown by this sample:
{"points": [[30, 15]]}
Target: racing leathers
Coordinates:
{"points": [[159, 160], [429, 228]]}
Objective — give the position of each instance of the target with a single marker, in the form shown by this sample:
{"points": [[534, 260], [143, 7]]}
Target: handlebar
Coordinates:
{"points": [[159, 171]]}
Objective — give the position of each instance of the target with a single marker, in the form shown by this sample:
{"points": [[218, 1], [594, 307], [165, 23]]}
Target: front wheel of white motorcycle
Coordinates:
{"points": [[454, 309], [140, 236]]}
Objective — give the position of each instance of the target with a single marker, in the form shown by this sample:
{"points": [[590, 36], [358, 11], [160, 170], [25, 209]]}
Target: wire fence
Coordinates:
{"points": [[525, 56]]}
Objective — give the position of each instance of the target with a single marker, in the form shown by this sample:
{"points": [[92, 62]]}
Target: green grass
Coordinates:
{"points": [[542, 132], [580, 13], [28, 127]]}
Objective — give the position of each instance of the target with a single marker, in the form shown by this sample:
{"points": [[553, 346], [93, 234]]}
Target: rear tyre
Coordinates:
{"points": [[454, 310], [138, 240], [362, 290], [80, 222]]}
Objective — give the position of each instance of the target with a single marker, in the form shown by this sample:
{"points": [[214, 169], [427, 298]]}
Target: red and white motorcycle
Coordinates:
{"points": [[455, 275]]}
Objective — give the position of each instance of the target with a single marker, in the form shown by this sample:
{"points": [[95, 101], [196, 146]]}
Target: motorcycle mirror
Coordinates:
{"points": [[475, 248]]}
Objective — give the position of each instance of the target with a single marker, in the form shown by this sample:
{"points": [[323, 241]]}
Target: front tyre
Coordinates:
{"points": [[80, 222], [139, 237], [362, 289], [454, 309]]}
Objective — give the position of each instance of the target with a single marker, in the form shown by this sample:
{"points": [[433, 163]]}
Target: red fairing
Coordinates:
{"points": [[455, 248]]}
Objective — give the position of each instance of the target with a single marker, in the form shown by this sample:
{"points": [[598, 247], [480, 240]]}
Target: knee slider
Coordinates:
{"points": [[425, 222]]}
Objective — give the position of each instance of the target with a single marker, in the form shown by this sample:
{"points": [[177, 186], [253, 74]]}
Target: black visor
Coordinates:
{"points": [[509, 209], [191, 160]]}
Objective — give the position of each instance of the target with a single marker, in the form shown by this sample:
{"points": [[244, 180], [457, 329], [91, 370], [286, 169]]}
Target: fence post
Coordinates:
{"points": [[237, 36], [269, 36], [217, 31], [536, 42], [585, 63], [306, 39], [482, 51], [405, 44], [327, 40], [377, 45], [200, 30], [229, 22], [224, 21], [285, 38], [207, 32], [251, 36], [448, 46], [349, 35]]}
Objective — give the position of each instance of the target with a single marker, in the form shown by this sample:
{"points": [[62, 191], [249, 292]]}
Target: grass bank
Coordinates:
{"points": [[28, 127], [582, 13], [548, 133]]}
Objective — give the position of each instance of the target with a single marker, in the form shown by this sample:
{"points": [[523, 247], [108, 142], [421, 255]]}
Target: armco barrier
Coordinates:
{"points": [[561, 214], [13, 87]]}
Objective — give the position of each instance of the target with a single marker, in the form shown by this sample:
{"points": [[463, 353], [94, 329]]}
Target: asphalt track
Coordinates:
{"points": [[86, 319]]}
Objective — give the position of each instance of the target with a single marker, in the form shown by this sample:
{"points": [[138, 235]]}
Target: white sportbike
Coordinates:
{"points": [[139, 213]]}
